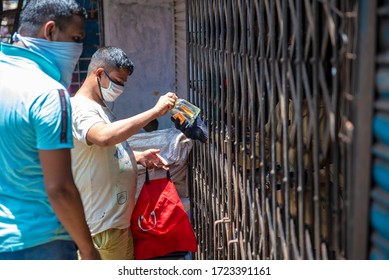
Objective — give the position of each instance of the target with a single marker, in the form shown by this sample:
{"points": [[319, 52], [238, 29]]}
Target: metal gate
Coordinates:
{"points": [[276, 82]]}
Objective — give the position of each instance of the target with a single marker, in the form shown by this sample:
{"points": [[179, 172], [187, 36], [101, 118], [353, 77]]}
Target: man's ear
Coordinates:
{"points": [[98, 72], [49, 30]]}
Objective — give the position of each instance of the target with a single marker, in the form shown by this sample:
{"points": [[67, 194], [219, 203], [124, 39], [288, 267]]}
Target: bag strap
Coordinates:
{"points": [[147, 180], [147, 176], [141, 218]]}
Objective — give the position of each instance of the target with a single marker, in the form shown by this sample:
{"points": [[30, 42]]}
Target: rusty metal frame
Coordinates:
{"points": [[276, 86]]}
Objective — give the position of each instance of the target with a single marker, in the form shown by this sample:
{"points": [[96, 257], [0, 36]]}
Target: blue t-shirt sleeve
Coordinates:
{"points": [[51, 116]]}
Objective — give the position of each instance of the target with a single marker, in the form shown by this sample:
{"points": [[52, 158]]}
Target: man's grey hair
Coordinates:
{"points": [[37, 12], [110, 58]]}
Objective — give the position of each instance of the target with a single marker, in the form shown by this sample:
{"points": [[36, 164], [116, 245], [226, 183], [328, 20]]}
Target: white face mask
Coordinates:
{"points": [[112, 92]]}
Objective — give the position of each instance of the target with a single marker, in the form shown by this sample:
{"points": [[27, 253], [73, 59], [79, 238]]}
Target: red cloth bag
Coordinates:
{"points": [[159, 223]]}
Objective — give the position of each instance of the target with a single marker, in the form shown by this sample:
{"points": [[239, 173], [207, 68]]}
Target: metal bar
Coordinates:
{"points": [[298, 112], [253, 136], [284, 102], [357, 245], [316, 133], [262, 107], [228, 104], [272, 119], [235, 92]]}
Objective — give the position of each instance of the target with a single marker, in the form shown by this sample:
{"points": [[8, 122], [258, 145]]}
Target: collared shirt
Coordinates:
{"points": [[35, 114]]}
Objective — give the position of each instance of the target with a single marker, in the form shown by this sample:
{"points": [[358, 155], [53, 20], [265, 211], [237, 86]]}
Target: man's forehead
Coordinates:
{"points": [[75, 24]]}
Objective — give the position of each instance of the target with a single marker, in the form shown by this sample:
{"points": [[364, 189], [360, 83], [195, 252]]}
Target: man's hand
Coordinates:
{"points": [[196, 131], [151, 159], [165, 103], [93, 254]]}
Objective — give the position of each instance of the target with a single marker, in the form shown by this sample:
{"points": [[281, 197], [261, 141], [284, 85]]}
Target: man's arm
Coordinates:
{"points": [[103, 134], [65, 199]]}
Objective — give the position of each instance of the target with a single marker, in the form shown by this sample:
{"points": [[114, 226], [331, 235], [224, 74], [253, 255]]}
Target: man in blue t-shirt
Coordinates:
{"points": [[41, 214]]}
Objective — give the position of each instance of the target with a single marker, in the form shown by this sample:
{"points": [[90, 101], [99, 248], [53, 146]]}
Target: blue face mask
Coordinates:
{"points": [[64, 55]]}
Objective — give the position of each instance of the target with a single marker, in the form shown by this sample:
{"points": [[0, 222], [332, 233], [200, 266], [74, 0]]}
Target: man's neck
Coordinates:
{"points": [[91, 91]]}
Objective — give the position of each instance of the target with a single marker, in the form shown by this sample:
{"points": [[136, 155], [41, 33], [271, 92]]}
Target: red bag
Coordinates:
{"points": [[159, 223]]}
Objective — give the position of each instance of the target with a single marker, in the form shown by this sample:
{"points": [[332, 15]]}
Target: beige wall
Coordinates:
{"points": [[144, 30]]}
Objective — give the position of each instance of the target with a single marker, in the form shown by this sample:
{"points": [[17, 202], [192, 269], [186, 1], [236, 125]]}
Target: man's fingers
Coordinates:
{"points": [[154, 151], [163, 161]]}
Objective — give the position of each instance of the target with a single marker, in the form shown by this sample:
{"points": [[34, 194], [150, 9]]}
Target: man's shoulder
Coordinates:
{"points": [[83, 106], [83, 102], [22, 73]]}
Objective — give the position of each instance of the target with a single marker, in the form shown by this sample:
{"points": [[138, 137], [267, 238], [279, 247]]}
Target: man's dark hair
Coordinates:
{"points": [[38, 12], [110, 58]]}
